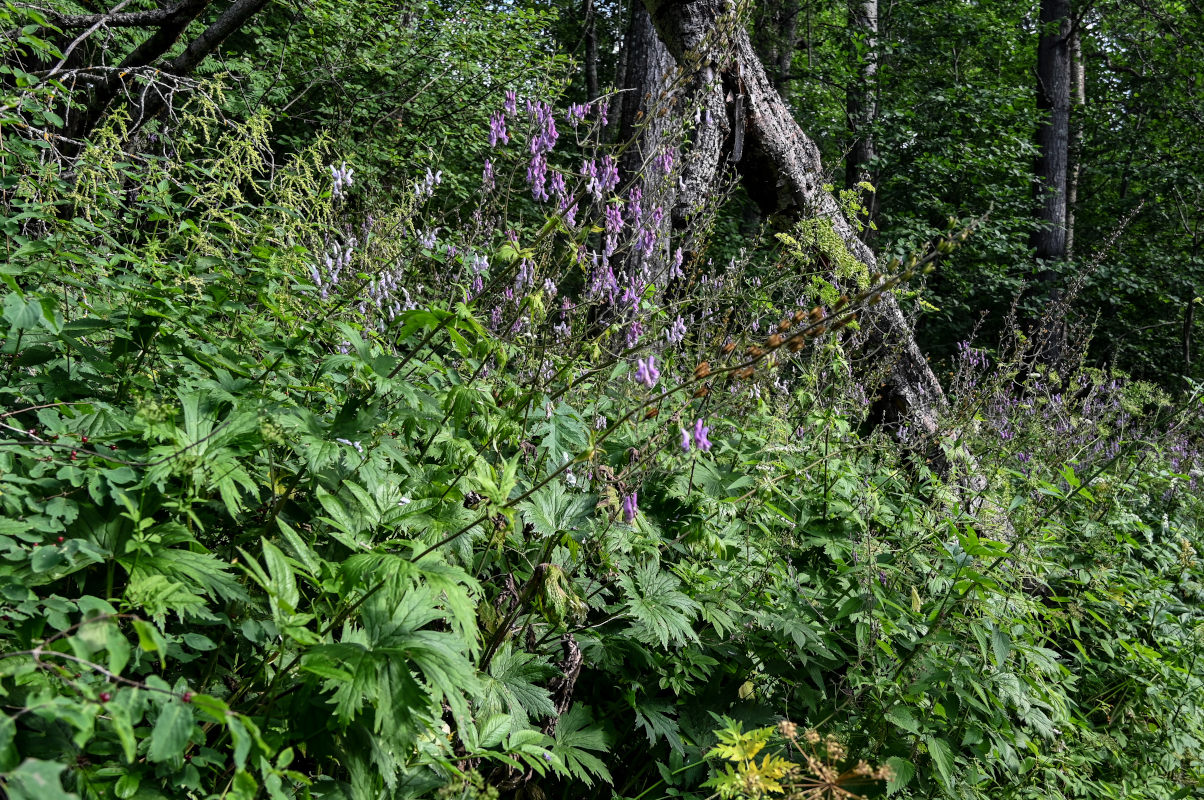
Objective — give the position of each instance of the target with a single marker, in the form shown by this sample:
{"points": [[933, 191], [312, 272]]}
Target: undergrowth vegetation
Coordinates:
{"points": [[306, 495]]}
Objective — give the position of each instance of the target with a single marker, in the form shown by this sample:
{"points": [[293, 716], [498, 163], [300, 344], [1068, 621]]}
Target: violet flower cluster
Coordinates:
{"points": [[630, 507], [646, 371], [699, 438], [342, 179]]}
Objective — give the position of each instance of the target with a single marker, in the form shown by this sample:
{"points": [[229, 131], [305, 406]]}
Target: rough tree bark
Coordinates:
{"points": [[1053, 133], [656, 94], [781, 171], [1050, 174], [861, 104], [591, 49], [1078, 85], [775, 29]]}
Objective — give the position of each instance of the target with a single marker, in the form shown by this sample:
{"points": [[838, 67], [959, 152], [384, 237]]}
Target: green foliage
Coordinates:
{"points": [[264, 537]]}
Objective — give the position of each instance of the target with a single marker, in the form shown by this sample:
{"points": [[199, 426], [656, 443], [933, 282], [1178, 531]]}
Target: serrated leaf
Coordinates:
{"points": [[901, 716], [942, 757], [1001, 643], [902, 772]]}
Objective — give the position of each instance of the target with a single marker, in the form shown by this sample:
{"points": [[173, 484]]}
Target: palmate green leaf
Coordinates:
{"points": [[562, 435], [456, 590], [201, 573], [553, 510], [159, 595], [653, 717], [576, 735], [661, 614], [513, 684]]}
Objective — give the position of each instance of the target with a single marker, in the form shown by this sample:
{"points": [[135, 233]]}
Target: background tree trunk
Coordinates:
{"points": [[592, 89], [1050, 173], [862, 104], [1078, 85], [1053, 133], [781, 171]]}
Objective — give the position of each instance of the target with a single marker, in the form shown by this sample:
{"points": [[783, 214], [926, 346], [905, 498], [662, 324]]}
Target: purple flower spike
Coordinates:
{"points": [[629, 507], [700, 436], [685, 440], [497, 130], [646, 371]]}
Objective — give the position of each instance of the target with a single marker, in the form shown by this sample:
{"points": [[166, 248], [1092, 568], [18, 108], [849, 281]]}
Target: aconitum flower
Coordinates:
{"points": [[646, 371], [426, 187], [677, 331], [487, 179], [427, 238], [525, 277], [497, 130], [608, 174], [604, 283], [589, 170], [631, 295], [576, 113], [570, 216], [700, 436], [546, 135], [635, 207], [630, 508], [685, 440], [665, 160], [510, 106], [675, 266], [558, 189], [342, 178], [635, 329], [537, 176], [614, 224]]}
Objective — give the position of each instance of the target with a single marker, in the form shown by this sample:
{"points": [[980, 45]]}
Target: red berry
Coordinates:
{"points": [[112, 447], [84, 439], [187, 698], [60, 540], [105, 697], [74, 455]]}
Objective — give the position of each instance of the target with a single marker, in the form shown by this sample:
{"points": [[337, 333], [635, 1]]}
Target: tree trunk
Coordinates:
{"points": [[1050, 173], [655, 86], [862, 105], [775, 28], [787, 35], [171, 26], [781, 171], [1053, 134], [591, 50], [1078, 84]]}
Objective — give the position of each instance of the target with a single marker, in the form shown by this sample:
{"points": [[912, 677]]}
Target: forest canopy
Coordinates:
{"points": [[658, 399]]}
